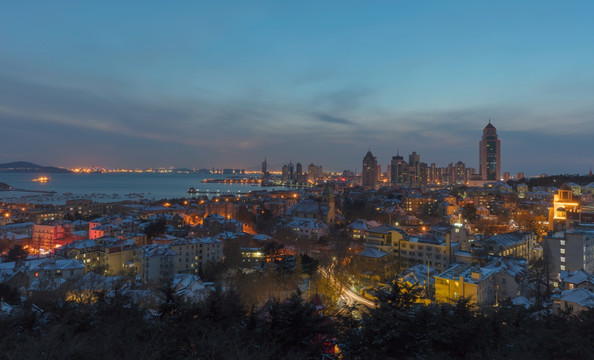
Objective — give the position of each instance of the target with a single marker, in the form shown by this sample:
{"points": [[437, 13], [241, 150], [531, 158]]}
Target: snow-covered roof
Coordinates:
{"points": [[372, 253], [580, 296], [262, 237], [46, 284], [462, 270], [157, 250], [385, 229], [305, 206], [522, 301], [417, 275], [189, 287], [507, 239], [302, 223], [359, 224], [514, 267], [577, 277]]}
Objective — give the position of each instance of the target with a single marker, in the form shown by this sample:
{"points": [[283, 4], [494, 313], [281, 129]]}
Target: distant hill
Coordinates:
{"points": [[27, 167]]}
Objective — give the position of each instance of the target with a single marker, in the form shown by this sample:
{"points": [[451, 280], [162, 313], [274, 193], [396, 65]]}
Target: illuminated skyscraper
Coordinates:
{"points": [[490, 154], [369, 174]]}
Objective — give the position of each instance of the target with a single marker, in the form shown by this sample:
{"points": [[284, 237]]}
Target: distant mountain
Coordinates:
{"points": [[27, 167]]}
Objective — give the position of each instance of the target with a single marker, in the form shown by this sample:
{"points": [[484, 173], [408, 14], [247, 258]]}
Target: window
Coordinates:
{"points": [[562, 242], [562, 251], [562, 258]]}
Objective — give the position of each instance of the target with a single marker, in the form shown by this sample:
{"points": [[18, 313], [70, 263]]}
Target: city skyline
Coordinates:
{"points": [[218, 85]]}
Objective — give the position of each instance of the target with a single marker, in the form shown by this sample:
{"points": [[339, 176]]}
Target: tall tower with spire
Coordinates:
{"points": [[490, 154], [264, 169]]}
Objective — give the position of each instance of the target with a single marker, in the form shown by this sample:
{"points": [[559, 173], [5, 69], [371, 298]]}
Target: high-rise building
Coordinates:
{"points": [[291, 170], [264, 169], [490, 154], [369, 174], [298, 173], [460, 173], [285, 172], [414, 160], [398, 171], [423, 174], [432, 174], [314, 172]]}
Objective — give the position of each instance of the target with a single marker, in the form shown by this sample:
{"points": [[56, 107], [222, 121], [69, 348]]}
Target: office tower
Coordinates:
{"points": [[369, 174], [490, 154], [314, 172], [264, 168], [298, 172], [433, 174], [414, 160], [423, 174], [398, 171], [291, 170]]}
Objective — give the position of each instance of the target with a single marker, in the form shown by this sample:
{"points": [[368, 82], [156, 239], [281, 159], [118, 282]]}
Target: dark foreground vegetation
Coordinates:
{"points": [[114, 327]]}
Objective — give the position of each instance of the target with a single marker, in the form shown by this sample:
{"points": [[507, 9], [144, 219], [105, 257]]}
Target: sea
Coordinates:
{"points": [[110, 187]]}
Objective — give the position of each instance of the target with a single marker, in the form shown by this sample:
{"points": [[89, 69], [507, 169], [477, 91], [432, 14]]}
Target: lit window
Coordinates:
{"points": [[562, 242], [562, 258], [562, 251], [563, 267]]}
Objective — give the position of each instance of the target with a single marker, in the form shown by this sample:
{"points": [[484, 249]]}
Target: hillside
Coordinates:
{"points": [[27, 167]]}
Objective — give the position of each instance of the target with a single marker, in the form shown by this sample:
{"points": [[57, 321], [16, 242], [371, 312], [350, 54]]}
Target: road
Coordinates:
{"points": [[349, 296]]}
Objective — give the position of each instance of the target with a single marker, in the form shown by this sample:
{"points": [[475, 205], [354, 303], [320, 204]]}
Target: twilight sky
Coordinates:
{"points": [[225, 83]]}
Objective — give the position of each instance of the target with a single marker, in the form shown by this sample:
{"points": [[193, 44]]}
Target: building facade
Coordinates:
{"points": [[490, 154], [369, 175]]}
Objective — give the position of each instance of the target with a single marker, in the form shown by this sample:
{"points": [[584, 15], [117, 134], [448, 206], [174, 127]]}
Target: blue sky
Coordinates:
{"points": [[202, 84]]}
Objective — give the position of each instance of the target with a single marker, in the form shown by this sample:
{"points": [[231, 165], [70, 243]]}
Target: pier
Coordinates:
{"points": [[232, 181], [193, 191]]}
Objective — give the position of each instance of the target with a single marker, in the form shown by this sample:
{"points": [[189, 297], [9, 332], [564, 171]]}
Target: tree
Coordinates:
{"points": [[155, 228], [469, 213], [539, 273], [17, 252], [9, 294]]}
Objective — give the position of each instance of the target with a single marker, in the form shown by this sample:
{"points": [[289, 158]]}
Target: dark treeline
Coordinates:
{"points": [[115, 327], [555, 180]]}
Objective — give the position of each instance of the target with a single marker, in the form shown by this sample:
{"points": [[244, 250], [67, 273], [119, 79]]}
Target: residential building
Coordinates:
{"points": [[308, 228], [47, 237], [570, 250], [384, 238], [574, 301], [436, 252], [195, 253], [464, 281], [516, 244]]}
